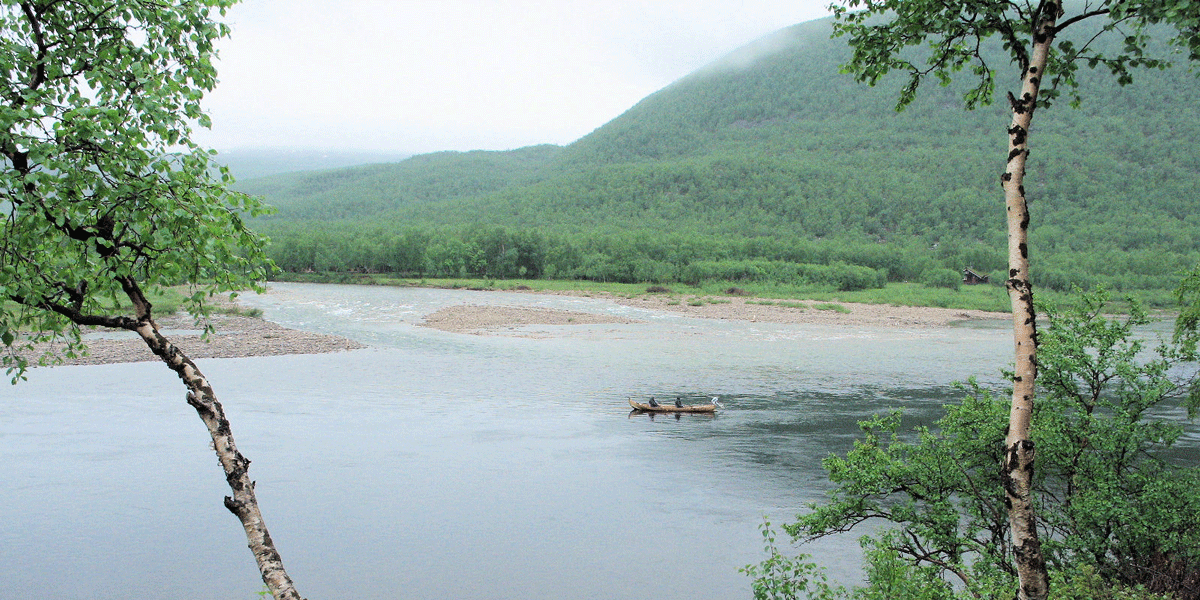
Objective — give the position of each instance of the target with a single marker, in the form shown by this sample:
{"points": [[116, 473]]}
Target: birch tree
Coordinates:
{"points": [[942, 39], [104, 196]]}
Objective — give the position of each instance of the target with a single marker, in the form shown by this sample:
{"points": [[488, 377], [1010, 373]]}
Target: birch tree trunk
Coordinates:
{"points": [[1019, 449], [243, 503]]}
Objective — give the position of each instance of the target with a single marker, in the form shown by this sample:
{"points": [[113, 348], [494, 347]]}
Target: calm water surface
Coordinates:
{"points": [[442, 465]]}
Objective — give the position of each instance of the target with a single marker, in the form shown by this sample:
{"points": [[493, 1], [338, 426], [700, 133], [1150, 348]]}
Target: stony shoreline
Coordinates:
{"points": [[235, 337], [240, 336]]}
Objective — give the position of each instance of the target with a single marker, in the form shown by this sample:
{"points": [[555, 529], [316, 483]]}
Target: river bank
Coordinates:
{"points": [[803, 311], [237, 335], [487, 319]]}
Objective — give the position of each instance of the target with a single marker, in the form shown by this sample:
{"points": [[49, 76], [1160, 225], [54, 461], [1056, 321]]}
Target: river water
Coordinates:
{"points": [[444, 465]]}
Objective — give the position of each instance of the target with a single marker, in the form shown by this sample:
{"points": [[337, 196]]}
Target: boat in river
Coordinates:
{"points": [[671, 408]]}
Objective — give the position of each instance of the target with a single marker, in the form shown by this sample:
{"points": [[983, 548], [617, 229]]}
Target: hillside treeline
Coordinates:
{"points": [[646, 256], [778, 169]]}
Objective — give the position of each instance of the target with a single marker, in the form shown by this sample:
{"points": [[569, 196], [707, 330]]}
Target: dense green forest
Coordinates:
{"points": [[770, 166]]}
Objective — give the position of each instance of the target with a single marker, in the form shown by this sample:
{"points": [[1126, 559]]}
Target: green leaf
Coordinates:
{"points": [[127, 108]]}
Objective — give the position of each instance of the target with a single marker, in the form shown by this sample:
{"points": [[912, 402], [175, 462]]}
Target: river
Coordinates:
{"points": [[446, 465]]}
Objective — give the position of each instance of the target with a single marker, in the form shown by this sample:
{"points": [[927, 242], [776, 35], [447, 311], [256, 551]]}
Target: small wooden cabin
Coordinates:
{"points": [[970, 277]]}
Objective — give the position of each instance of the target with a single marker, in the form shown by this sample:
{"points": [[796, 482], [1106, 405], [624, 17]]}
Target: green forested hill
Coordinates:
{"points": [[769, 159], [365, 191]]}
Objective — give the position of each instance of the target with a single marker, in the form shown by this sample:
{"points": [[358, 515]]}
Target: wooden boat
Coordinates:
{"points": [[671, 408]]}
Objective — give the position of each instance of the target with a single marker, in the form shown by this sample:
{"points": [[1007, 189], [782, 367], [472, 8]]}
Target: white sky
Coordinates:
{"points": [[427, 75]]}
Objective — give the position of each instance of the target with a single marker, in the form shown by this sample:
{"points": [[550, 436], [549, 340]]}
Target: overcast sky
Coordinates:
{"points": [[426, 75]]}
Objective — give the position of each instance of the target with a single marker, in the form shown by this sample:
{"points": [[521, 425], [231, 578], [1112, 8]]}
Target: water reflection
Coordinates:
{"points": [[678, 416]]}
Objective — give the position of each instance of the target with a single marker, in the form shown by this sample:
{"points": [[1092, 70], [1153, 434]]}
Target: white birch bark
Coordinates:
{"points": [[243, 503], [1019, 452]]}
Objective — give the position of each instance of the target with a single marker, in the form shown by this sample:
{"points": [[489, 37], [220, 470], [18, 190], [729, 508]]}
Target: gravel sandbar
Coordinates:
{"points": [[235, 337], [811, 311], [485, 320]]}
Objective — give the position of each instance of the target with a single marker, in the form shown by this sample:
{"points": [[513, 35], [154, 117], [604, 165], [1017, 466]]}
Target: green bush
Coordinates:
{"points": [[941, 278], [1121, 514]]}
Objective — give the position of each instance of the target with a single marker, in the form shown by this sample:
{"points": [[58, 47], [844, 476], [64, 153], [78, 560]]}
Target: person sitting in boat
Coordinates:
{"points": [[652, 402], [678, 402]]}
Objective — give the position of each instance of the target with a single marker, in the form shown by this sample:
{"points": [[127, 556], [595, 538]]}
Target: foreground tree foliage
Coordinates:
{"points": [[1115, 507], [104, 197], [884, 35]]}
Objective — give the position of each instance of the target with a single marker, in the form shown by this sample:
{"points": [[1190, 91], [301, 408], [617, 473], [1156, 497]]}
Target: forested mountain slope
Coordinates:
{"points": [[770, 155], [367, 190]]}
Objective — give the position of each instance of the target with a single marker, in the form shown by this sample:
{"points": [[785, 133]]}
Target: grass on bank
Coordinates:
{"points": [[168, 301]]}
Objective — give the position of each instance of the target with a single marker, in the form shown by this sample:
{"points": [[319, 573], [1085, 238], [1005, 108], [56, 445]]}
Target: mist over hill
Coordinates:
{"points": [[252, 163], [769, 158]]}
